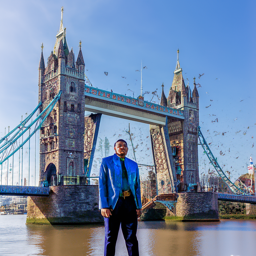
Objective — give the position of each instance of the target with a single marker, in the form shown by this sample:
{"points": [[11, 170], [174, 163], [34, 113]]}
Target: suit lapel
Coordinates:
{"points": [[117, 164]]}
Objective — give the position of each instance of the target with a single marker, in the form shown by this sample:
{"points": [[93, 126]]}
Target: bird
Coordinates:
{"points": [[200, 75], [106, 73], [208, 106], [124, 77], [144, 67], [137, 70]]}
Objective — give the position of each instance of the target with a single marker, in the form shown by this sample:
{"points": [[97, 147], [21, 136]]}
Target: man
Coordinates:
{"points": [[120, 201]]}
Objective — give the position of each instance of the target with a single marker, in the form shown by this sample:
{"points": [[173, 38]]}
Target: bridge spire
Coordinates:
{"points": [[178, 61], [163, 101], [80, 58], [41, 63], [61, 35], [195, 93], [141, 88]]}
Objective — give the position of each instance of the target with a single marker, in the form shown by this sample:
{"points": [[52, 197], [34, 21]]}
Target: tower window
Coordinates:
{"points": [[71, 168], [72, 108], [42, 130], [78, 107], [72, 88], [65, 106], [55, 129]]}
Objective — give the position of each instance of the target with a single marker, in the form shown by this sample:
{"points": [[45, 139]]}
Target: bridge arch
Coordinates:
{"points": [[51, 175]]}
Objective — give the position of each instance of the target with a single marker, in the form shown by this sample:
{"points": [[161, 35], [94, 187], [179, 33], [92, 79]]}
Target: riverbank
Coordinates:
{"points": [[237, 217], [221, 217]]}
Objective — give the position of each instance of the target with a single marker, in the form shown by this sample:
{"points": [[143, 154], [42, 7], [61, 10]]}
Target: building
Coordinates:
{"points": [[183, 134], [61, 136]]}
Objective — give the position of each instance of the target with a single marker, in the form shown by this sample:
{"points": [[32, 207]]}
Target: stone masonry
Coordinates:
{"points": [[61, 136], [203, 205], [183, 134], [65, 205]]}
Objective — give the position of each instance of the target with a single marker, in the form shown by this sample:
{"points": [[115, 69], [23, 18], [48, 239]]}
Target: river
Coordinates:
{"points": [[156, 238]]}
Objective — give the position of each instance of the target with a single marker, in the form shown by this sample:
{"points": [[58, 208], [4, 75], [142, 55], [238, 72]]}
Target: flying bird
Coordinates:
{"points": [[106, 73], [200, 75]]}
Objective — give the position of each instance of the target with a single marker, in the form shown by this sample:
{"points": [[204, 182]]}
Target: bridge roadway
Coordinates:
{"points": [[24, 191], [166, 199], [237, 198], [122, 106], [169, 199]]}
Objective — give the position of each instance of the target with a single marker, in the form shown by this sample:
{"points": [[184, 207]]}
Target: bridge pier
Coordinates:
{"points": [[201, 206], [250, 209], [197, 206], [71, 204]]}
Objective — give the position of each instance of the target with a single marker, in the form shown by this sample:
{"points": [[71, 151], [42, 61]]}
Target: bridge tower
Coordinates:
{"points": [[183, 133], [61, 136]]}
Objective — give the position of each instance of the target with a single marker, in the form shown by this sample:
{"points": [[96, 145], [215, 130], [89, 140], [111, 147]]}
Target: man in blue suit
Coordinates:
{"points": [[120, 199]]}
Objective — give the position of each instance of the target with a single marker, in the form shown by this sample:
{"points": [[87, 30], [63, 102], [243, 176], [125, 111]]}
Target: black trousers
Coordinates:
{"points": [[125, 215]]}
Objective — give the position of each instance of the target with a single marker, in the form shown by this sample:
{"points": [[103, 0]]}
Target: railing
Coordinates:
{"points": [[68, 180]]}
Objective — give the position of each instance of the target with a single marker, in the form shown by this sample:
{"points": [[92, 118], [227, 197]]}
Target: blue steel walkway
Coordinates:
{"points": [[237, 198], [24, 191]]}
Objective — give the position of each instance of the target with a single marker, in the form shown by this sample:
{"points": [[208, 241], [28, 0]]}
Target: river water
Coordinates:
{"points": [[156, 238]]}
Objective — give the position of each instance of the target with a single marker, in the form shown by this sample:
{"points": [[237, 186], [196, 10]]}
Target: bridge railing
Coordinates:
{"points": [[15, 159]]}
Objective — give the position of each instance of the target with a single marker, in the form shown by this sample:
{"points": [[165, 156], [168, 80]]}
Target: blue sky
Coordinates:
{"points": [[216, 38]]}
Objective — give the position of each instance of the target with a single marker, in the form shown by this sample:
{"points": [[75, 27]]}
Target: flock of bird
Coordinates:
{"points": [[226, 152]]}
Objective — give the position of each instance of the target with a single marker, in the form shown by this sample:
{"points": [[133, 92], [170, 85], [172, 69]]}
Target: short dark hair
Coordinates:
{"points": [[120, 140]]}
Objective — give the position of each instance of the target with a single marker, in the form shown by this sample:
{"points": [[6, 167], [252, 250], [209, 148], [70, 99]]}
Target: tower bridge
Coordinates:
{"points": [[68, 140]]}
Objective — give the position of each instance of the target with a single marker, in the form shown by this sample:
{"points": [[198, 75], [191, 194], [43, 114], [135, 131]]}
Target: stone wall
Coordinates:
{"points": [[65, 205], [250, 209], [199, 206]]}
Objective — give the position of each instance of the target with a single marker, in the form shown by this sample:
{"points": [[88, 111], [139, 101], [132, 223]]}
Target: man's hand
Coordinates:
{"points": [[106, 213], [138, 212]]}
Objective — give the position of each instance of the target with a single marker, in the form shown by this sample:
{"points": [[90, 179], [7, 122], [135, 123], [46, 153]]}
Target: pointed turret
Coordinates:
{"points": [[71, 59], [41, 63], [195, 91], [178, 85], [61, 53], [163, 101], [80, 58], [61, 36]]}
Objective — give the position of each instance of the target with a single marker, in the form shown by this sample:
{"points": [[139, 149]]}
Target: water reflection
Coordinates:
{"points": [[155, 239]]}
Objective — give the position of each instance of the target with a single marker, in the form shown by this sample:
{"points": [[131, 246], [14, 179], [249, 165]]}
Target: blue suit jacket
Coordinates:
{"points": [[110, 181]]}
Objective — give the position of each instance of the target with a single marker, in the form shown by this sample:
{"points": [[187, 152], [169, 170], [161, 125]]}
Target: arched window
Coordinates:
{"points": [[72, 108], [65, 106], [72, 88], [55, 129], [71, 168]]}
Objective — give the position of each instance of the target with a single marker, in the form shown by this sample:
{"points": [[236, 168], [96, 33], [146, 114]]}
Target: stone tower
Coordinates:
{"points": [[183, 134], [61, 136]]}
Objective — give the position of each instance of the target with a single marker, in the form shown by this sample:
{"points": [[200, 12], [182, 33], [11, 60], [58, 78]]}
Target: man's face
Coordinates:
{"points": [[121, 149]]}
